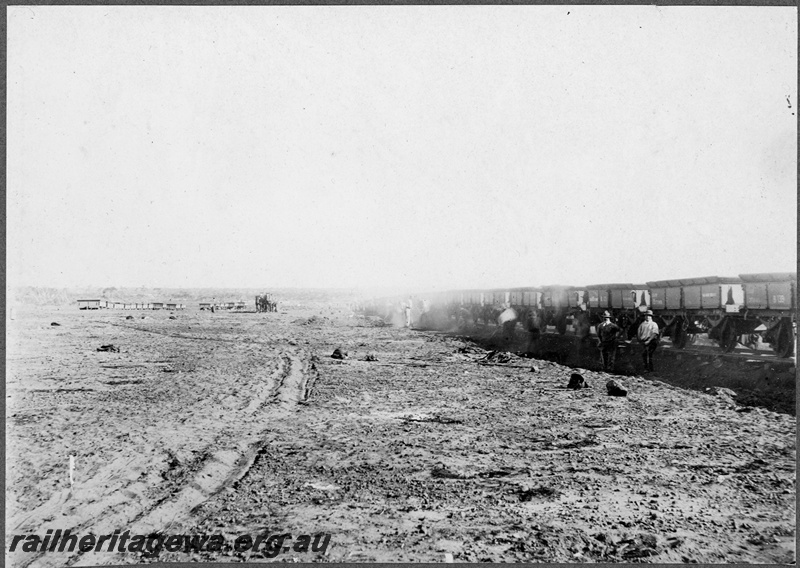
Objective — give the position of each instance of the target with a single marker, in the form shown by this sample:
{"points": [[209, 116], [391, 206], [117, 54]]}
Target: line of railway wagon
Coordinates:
{"points": [[105, 304], [222, 305], [728, 309]]}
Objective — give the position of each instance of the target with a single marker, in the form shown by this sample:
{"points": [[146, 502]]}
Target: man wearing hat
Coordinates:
{"points": [[607, 333], [649, 336]]}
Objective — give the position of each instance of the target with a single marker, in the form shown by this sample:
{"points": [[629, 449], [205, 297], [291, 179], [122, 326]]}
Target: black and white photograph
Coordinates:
{"points": [[400, 283]]}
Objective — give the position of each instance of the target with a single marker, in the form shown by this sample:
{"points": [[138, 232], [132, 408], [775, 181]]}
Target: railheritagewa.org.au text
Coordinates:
{"points": [[268, 545]]}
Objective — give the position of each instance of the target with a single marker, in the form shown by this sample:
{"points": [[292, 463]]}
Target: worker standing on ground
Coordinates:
{"points": [[607, 333], [648, 335]]}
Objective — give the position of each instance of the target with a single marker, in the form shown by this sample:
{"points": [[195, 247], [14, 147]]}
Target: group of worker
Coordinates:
{"points": [[647, 334]]}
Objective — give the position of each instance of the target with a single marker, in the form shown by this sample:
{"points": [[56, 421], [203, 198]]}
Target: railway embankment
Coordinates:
{"points": [[758, 378]]}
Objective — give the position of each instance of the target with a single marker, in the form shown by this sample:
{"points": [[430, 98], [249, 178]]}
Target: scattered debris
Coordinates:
{"points": [[494, 473], [370, 357], [577, 382], [726, 395], [615, 388], [721, 391], [110, 348], [319, 486], [124, 382], [497, 357], [436, 418], [313, 320], [540, 492], [339, 354], [640, 546], [443, 472]]}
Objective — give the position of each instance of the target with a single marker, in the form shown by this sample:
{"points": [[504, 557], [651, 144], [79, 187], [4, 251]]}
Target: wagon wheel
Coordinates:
{"points": [[784, 344], [728, 339], [679, 334]]}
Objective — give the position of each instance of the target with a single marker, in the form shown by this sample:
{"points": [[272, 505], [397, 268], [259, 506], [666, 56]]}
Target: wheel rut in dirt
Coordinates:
{"points": [[125, 485]]}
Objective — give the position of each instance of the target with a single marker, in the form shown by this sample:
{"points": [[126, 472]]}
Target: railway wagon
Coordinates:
{"points": [[555, 307], [495, 298], [494, 302], [473, 303], [626, 302], [452, 300], [727, 308], [697, 305], [527, 301], [770, 300]]}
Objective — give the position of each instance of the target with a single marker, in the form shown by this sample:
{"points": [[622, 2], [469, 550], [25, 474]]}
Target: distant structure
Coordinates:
{"points": [[265, 303], [103, 304], [235, 306]]}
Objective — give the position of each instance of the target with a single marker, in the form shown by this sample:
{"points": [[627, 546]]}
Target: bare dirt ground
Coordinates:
{"points": [[241, 423]]}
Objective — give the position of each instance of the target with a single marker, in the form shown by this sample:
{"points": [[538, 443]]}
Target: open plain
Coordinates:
{"points": [[415, 447]]}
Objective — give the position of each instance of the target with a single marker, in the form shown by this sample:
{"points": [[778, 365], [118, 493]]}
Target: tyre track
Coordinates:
{"points": [[124, 500]]}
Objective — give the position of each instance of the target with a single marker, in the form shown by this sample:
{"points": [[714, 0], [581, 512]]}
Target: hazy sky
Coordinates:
{"points": [[417, 146]]}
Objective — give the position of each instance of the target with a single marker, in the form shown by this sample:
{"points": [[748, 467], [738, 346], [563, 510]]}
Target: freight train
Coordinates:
{"points": [[731, 310]]}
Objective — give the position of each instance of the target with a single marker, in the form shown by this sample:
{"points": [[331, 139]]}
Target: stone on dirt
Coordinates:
{"points": [[55, 323], [338, 354], [577, 382], [110, 348], [615, 388], [370, 357]]}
